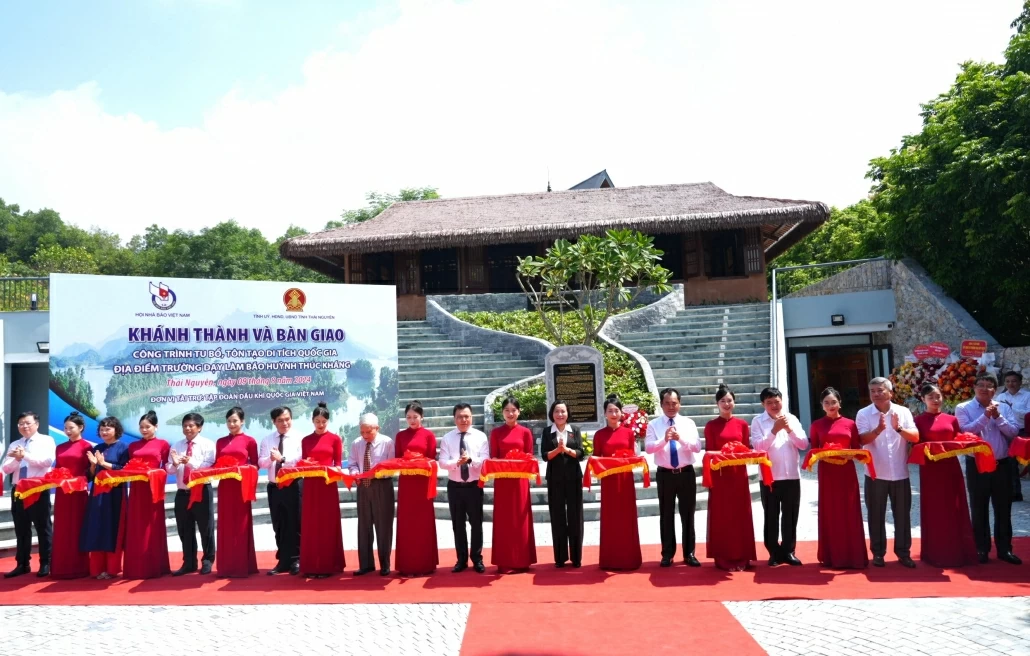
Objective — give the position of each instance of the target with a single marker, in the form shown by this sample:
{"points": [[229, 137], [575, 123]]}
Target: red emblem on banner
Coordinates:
{"points": [[973, 348], [294, 300], [939, 350], [921, 352]]}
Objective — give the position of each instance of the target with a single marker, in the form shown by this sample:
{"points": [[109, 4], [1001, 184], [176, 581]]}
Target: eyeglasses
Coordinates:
{"points": [[26, 424]]}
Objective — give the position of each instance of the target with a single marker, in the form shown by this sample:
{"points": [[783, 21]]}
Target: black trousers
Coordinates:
{"points": [[781, 503], [994, 489], [565, 506], [188, 520], [375, 511], [37, 515], [877, 493], [466, 504], [284, 507], [679, 485]]}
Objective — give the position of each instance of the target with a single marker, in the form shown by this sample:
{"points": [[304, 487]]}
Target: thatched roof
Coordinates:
{"points": [[520, 218]]}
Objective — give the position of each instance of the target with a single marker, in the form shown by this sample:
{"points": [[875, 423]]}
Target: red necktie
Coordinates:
{"points": [[187, 469]]}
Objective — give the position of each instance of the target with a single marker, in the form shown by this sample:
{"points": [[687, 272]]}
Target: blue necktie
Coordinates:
{"points": [[674, 456]]}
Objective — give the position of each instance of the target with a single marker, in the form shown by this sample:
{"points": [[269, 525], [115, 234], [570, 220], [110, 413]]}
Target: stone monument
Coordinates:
{"points": [[575, 374]]}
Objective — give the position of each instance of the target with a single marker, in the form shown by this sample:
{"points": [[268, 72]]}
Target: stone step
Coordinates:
{"points": [[408, 358], [744, 308], [670, 341], [712, 410], [692, 332], [444, 401], [716, 371], [708, 391], [428, 344], [680, 348], [446, 388], [702, 360], [511, 374], [491, 363], [678, 323], [662, 380], [447, 421], [708, 399], [449, 351]]}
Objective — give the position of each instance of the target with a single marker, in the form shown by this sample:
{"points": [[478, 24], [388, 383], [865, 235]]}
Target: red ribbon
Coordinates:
{"points": [[29, 489], [515, 464], [967, 444], [413, 463], [839, 454], [225, 467], [110, 478], [1020, 450], [736, 455], [602, 467]]}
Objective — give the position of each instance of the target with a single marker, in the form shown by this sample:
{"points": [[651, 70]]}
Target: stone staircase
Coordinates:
{"points": [[703, 346], [440, 372], [647, 504]]}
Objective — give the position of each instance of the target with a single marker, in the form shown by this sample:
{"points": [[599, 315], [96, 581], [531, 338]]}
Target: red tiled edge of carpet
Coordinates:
{"points": [[543, 583]]}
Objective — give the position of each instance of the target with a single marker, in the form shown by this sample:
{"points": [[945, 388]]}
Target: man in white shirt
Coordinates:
{"points": [[187, 455], [375, 496], [462, 452], [281, 448], [673, 440], [780, 435], [1018, 399], [995, 423], [886, 429], [30, 456]]}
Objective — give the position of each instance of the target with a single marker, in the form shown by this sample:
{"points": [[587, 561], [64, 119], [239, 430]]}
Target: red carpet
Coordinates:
{"points": [[543, 583], [600, 629]]}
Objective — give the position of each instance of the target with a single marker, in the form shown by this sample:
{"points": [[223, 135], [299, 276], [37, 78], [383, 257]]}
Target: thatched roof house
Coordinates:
{"points": [[469, 245]]}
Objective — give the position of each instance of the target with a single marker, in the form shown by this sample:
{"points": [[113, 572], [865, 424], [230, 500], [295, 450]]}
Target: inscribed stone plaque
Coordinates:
{"points": [[575, 375]]}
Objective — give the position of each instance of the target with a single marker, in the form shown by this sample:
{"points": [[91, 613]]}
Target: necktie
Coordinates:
{"points": [[464, 467], [187, 469], [674, 456], [368, 463], [23, 471], [279, 464]]}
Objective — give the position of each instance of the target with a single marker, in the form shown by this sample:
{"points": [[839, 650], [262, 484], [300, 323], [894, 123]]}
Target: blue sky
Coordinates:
{"points": [[190, 112]]}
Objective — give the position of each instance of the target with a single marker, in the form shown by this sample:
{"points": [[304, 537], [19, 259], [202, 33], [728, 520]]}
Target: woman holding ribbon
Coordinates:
{"points": [[514, 545], [103, 531], [620, 539], [321, 534], [947, 529], [146, 539], [416, 553], [66, 561], [731, 534], [841, 533], [235, 556]]}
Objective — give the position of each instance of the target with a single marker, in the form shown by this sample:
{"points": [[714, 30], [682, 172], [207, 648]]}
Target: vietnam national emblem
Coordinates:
{"points": [[294, 300]]}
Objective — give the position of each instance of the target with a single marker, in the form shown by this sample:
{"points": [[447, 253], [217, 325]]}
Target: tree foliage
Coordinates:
{"points": [[587, 281], [853, 233], [378, 201], [958, 193]]}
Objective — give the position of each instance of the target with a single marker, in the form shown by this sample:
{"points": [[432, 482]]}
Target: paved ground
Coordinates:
{"points": [[930, 627]]}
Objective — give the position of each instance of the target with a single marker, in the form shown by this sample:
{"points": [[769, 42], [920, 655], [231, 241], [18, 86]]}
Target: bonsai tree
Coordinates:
{"points": [[585, 282]]}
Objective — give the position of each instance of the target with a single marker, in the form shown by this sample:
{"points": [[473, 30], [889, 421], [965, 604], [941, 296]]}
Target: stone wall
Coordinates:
{"points": [[494, 341], [870, 276], [927, 314], [723, 291]]}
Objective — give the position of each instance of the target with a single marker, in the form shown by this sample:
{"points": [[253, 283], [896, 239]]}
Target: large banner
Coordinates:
{"points": [[122, 346]]}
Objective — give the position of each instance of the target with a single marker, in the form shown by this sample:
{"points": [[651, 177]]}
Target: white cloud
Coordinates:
{"points": [[778, 99]]}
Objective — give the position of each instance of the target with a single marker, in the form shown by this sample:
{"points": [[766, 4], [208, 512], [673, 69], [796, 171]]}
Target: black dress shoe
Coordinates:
{"points": [[907, 561], [44, 570], [205, 568], [666, 562], [576, 563], [793, 561], [17, 571], [363, 571], [184, 570], [1010, 557], [878, 561], [559, 565], [384, 572], [690, 560], [981, 556], [295, 569], [275, 570], [460, 567], [773, 562], [479, 567]]}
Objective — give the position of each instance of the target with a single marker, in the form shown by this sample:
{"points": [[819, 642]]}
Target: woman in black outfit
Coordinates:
{"points": [[562, 448]]}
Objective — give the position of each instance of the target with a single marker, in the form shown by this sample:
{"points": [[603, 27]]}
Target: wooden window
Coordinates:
{"points": [[691, 256], [356, 264], [408, 270], [440, 271], [752, 250]]}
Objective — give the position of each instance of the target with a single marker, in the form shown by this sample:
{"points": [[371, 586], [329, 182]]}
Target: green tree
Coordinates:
{"points": [[958, 192], [586, 281], [378, 201], [853, 233], [61, 259]]}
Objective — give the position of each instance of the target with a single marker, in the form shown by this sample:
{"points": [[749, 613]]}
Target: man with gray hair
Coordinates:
{"points": [[375, 496], [885, 429]]}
